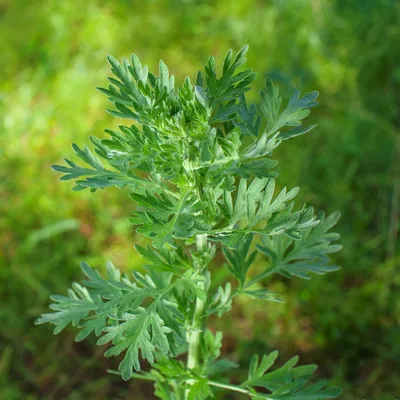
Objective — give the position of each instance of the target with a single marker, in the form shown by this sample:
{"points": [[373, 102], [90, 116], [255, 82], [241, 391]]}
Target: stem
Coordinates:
{"points": [[195, 335], [228, 386], [261, 276], [142, 376], [235, 388], [196, 328]]}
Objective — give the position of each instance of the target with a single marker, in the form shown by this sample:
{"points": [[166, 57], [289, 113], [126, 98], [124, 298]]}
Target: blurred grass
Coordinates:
{"points": [[53, 57]]}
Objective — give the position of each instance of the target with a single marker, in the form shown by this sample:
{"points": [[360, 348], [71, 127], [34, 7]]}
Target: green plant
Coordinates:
{"points": [[200, 173]]}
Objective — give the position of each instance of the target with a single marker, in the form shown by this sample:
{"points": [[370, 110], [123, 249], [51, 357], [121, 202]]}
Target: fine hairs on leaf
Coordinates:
{"points": [[197, 161]]}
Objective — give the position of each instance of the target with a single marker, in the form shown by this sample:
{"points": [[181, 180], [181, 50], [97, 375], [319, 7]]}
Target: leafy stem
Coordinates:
{"points": [[198, 163]]}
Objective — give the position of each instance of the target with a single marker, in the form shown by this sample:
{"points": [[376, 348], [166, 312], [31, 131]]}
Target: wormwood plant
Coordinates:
{"points": [[198, 165]]}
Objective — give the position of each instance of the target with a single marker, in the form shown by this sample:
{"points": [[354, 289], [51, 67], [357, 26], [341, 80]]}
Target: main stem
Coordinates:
{"points": [[197, 321], [196, 328]]}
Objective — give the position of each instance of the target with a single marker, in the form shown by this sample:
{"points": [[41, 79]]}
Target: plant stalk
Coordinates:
{"points": [[196, 328], [195, 335], [235, 388]]}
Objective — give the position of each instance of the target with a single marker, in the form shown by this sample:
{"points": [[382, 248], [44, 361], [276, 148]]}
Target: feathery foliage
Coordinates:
{"points": [[197, 161]]}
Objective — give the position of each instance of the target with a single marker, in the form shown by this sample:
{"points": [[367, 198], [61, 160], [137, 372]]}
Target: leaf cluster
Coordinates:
{"points": [[188, 144], [197, 160], [135, 315]]}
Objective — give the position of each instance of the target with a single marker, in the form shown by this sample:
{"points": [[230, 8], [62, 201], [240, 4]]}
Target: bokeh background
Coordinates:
{"points": [[53, 56]]}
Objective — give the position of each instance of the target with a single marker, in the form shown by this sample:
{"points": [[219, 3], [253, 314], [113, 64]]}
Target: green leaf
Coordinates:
{"points": [[166, 219], [254, 206], [221, 301], [257, 370], [259, 168], [239, 260], [296, 110], [114, 306], [142, 331], [97, 177], [73, 309], [288, 381], [200, 390], [94, 325], [261, 294], [232, 84], [164, 74], [164, 260], [308, 253]]}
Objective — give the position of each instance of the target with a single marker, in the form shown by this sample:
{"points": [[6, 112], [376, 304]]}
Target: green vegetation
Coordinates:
{"points": [[53, 55], [198, 166]]}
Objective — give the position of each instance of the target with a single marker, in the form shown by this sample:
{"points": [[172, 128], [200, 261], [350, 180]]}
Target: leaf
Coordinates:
{"points": [[72, 309], [97, 177], [307, 254], [254, 206], [92, 325], [295, 132], [221, 301], [296, 110], [163, 390], [199, 390], [163, 221], [288, 382], [135, 329], [142, 331], [164, 74], [138, 72], [257, 370], [211, 346], [239, 260], [261, 147], [163, 260], [225, 112], [260, 168], [261, 294], [231, 85], [193, 283], [248, 119]]}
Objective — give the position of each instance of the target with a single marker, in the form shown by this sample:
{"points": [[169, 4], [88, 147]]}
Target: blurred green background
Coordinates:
{"points": [[52, 58]]}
